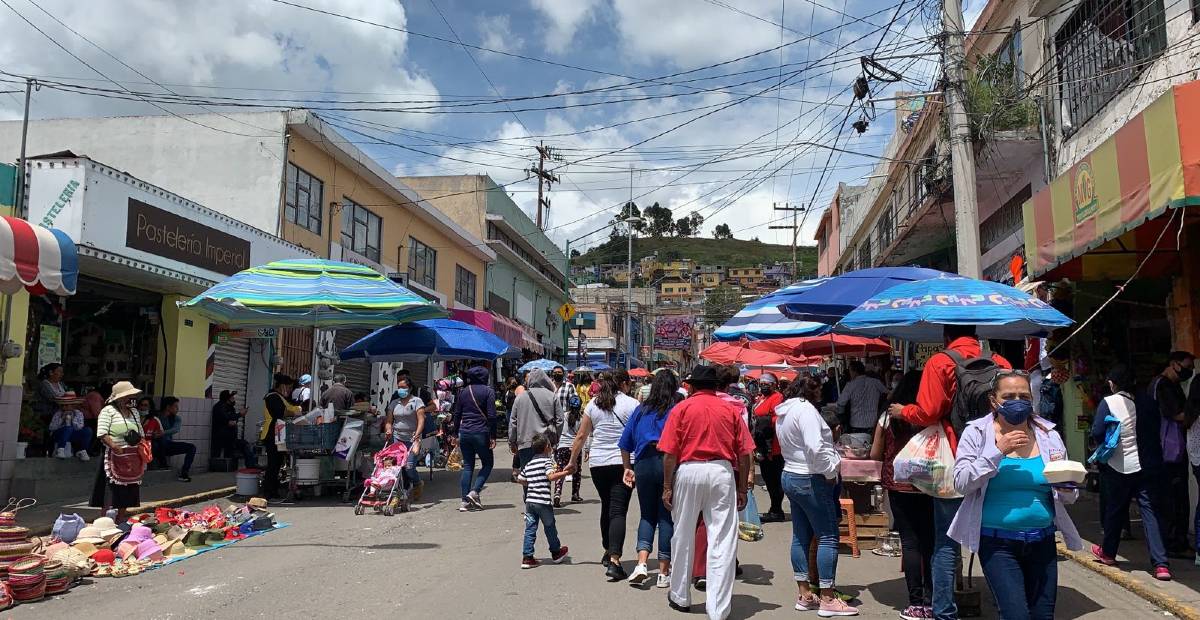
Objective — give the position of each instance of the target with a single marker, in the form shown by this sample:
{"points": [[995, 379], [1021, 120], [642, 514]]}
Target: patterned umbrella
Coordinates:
{"points": [[762, 320], [834, 298], [311, 293], [542, 364]]}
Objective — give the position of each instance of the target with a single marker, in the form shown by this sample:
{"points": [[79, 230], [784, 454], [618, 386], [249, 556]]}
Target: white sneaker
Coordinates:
{"points": [[464, 507], [639, 576], [62, 453], [664, 581], [83, 456]]}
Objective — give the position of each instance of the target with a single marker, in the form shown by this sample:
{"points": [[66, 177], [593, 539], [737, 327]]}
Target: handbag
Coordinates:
{"points": [[124, 466], [749, 522], [67, 526], [927, 463]]}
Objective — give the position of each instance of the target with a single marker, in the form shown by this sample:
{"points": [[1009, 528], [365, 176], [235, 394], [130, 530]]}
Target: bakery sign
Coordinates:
{"points": [[168, 235]]}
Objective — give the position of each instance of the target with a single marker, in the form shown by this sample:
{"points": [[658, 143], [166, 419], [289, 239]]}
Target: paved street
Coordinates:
{"points": [[436, 562]]}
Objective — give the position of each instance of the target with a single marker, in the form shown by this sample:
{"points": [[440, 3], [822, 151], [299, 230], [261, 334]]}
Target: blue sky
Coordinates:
{"points": [[747, 145]]}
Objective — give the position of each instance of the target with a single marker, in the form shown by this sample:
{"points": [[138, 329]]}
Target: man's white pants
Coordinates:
{"points": [[705, 488]]}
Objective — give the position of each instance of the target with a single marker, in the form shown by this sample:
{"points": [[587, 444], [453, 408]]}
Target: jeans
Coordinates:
{"points": [[472, 445], [815, 512], [1174, 516], [913, 514], [614, 505], [166, 448], [410, 475], [78, 438], [1023, 576], [772, 472], [562, 457], [1118, 490], [533, 514], [945, 559], [648, 477]]}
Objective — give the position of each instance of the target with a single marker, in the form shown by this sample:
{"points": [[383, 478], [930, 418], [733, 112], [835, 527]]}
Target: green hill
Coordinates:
{"points": [[726, 252]]}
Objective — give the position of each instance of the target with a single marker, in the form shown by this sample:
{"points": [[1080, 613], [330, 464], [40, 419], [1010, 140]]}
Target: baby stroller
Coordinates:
{"points": [[394, 498]]}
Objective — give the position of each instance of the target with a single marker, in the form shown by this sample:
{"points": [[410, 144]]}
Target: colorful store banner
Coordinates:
{"points": [[673, 333], [1151, 163]]}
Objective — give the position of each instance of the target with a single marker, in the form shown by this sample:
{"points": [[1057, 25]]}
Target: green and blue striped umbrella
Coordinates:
{"points": [[311, 293]]}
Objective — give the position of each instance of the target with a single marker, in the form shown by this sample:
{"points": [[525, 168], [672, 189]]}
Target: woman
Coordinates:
{"points": [[770, 462], [606, 417], [50, 388], [643, 465], [912, 511], [562, 457], [404, 422], [1009, 514], [276, 408], [69, 434], [474, 420], [810, 480], [118, 481], [152, 426], [1122, 479]]}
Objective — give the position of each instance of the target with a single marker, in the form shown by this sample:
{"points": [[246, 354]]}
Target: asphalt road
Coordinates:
{"points": [[438, 563]]}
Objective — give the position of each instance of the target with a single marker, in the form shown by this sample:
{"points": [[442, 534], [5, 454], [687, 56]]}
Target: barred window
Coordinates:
{"points": [[464, 286]]}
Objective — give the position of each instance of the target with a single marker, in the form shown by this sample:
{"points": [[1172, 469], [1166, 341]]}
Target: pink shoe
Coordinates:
{"points": [[808, 603], [1162, 573], [1098, 553], [835, 607]]}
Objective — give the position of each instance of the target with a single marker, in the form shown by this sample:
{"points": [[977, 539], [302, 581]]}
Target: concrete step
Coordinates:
{"points": [[51, 479]]}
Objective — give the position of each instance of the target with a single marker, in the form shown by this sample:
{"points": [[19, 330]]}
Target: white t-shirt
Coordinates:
{"points": [[301, 394], [607, 427], [404, 419]]}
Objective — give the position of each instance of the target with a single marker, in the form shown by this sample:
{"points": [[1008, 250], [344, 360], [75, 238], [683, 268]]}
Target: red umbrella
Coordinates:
{"points": [[639, 373], [823, 345], [744, 353]]}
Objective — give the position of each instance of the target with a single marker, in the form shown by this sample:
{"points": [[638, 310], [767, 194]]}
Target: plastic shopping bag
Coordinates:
{"points": [[927, 463], [749, 522], [455, 462]]}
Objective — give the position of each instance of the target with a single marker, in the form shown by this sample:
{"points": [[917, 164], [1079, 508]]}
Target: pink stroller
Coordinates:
{"points": [[394, 498]]}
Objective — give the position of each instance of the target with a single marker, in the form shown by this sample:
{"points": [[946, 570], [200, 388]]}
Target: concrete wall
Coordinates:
{"points": [[181, 366], [461, 197]]}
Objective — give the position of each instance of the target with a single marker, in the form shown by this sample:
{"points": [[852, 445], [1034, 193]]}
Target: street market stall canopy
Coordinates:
{"points": [[1150, 164], [830, 344], [761, 320], [836, 297], [742, 353], [41, 260], [431, 339]]}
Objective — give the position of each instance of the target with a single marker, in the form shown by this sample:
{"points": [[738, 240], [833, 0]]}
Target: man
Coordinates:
{"points": [[859, 404], [535, 411], [166, 446], [225, 440], [771, 459], [338, 394], [1166, 396], [935, 399], [703, 440], [563, 389]]}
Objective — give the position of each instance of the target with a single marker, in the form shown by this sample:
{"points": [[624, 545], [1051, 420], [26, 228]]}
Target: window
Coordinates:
{"points": [[464, 286], [1100, 49], [1009, 57], [864, 255], [360, 229], [422, 264], [302, 204]]}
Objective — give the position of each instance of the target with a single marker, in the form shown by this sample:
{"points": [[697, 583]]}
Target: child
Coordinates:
{"points": [[536, 477], [386, 478]]}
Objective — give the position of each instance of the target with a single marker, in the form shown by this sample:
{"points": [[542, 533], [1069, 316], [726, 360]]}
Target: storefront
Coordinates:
{"points": [[1116, 226]]}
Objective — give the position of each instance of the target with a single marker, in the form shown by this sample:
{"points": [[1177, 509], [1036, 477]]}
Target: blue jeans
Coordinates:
{"points": [[815, 512], [1023, 577], [472, 445], [78, 438], [648, 478], [945, 559], [545, 514]]}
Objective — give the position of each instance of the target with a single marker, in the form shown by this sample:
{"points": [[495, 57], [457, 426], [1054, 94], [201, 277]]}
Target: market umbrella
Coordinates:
{"points": [[829, 344], [540, 364], [834, 298], [639, 373], [918, 311], [430, 339], [742, 353], [598, 366], [762, 319]]}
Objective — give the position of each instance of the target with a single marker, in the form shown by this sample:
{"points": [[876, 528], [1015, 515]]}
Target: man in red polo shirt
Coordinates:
{"points": [[704, 437]]}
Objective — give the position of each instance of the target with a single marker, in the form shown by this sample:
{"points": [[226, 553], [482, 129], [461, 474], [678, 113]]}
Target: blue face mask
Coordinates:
{"points": [[402, 392], [1016, 412]]}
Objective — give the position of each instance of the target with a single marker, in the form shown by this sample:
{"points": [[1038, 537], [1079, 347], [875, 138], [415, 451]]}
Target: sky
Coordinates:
{"points": [[723, 107]]}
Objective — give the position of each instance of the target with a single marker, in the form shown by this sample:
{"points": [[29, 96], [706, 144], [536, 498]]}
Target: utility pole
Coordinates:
{"points": [[795, 228], [545, 178], [962, 157], [19, 208], [630, 220]]}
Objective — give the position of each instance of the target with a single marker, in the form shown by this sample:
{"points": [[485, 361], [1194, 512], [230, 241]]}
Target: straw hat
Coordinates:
{"points": [[86, 547], [90, 535], [123, 389], [108, 528], [259, 503]]}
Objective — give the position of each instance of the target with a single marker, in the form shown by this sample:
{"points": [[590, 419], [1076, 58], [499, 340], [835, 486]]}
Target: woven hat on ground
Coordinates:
{"points": [[89, 535], [108, 528], [149, 550], [77, 563]]}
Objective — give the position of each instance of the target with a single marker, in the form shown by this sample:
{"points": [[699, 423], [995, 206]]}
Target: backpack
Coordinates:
{"points": [[574, 403], [972, 399]]}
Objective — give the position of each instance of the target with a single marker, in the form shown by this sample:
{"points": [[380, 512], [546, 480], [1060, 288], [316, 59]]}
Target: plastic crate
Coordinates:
{"points": [[313, 436]]}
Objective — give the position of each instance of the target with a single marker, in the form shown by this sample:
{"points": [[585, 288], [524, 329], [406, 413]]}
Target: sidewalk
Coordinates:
{"points": [[1181, 595], [40, 518]]}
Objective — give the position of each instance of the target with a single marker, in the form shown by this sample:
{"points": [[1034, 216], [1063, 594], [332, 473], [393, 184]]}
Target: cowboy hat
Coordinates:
{"points": [[123, 389]]}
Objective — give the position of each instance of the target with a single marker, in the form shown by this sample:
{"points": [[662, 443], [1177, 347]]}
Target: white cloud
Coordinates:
{"points": [[495, 32], [565, 18]]}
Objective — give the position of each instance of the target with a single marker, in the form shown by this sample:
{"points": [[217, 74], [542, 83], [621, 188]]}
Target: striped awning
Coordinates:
{"points": [[1151, 163], [41, 260]]}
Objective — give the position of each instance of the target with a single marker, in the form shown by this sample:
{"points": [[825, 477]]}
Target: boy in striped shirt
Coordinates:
{"points": [[536, 476]]}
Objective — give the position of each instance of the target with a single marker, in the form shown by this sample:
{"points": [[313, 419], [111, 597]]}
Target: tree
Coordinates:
{"points": [[721, 304], [683, 227], [660, 222], [696, 220], [722, 232], [630, 209], [575, 253]]}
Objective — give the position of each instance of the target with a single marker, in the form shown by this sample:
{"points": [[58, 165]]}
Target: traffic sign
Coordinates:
{"points": [[566, 311]]}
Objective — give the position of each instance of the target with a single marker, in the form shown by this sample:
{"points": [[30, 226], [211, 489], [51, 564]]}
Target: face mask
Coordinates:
{"points": [[558, 378], [1016, 412], [402, 392], [1184, 373]]}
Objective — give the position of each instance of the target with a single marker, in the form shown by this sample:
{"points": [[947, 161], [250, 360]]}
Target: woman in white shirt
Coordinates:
{"points": [[604, 420], [810, 481]]}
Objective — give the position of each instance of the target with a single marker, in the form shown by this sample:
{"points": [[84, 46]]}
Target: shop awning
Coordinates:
{"points": [[1151, 163], [42, 260], [508, 330]]}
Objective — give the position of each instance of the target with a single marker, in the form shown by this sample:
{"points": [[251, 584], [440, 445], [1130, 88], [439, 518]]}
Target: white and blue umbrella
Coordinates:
{"points": [[541, 364], [762, 319]]}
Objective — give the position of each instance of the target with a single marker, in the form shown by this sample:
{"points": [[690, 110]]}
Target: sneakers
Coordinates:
{"points": [[1098, 553], [62, 453], [1162, 573], [639, 576], [473, 499], [664, 581], [808, 603], [557, 558], [529, 562], [558, 502], [1197, 561], [676, 606], [184, 478], [615, 572], [605, 561], [576, 499], [82, 455], [916, 612], [700, 583], [464, 507], [835, 607], [773, 517]]}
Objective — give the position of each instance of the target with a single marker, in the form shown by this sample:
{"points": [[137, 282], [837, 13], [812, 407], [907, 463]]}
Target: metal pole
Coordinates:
{"points": [[1045, 141], [962, 157], [19, 208], [629, 296]]}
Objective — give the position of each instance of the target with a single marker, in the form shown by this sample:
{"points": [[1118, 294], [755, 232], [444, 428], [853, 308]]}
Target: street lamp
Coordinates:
{"points": [[630, 221]]}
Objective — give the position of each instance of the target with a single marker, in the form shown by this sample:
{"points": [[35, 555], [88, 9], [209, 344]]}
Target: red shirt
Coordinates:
{"points": [[766, 407], [705, 427], [939, 385]]}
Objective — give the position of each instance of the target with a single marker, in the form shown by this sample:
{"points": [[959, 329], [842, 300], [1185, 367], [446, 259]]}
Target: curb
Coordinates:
{"points": [[1134, 585], [167, 503]]}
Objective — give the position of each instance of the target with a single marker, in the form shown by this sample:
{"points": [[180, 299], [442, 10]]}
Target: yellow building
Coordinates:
{"points": [[746, 277], [675, 291]]}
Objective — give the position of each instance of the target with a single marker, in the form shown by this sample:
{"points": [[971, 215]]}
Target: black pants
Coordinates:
{"points": [[614, 505], [270, 486], [772, 473], [913, 513], [1177, 507], [562, 457], [1118, 491]]}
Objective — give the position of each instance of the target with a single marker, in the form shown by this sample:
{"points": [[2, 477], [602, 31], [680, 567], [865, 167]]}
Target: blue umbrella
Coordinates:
{"points": [[542, 364], [917, 311], [598, 366], [431, 339], [836, 297], [762, 320]]}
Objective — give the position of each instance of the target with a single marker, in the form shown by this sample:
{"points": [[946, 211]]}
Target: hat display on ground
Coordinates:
{"points": [[89, 535], [108, 528]]}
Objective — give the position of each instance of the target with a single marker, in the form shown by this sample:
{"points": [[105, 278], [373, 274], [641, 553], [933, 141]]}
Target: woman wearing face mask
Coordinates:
{"points": [[405, 422], [1009, 514], [770, 458], [118, 481]]}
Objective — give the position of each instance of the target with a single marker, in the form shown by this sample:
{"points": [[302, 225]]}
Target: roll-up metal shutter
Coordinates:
{"points": [[418, 372], [231, 367], [358, 372]]}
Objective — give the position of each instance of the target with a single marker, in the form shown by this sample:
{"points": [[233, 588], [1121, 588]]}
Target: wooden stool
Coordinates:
{"points": [[847, 506]]}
